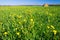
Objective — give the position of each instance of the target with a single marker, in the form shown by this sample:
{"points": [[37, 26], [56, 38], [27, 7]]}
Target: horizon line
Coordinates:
{"points": [[28, 5]]}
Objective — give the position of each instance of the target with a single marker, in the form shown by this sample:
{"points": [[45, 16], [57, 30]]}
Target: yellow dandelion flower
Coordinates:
{"points": [[19, 22], [31, 19], [5, 33], [18, 33], [48, 27], [54, 31], [16, 28], [52, 27]]}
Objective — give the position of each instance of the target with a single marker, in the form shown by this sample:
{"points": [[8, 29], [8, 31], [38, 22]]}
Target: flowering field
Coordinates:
{"points": [[29, 23]]}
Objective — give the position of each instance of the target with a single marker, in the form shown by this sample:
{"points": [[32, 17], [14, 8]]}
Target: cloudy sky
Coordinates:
{"points": [[28, 2]]}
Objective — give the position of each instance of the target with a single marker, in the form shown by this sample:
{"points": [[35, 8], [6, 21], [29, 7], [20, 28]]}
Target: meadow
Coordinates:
{"points": [[29, 23]]}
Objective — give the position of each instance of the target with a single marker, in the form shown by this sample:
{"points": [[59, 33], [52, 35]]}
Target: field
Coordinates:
{"points": [[29, 23]]}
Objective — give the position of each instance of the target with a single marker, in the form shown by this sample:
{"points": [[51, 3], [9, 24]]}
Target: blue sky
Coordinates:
{"points": [[28, 2]]}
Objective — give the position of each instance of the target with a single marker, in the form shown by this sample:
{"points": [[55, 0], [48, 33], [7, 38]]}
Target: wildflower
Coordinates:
{"points": [[31, 19], [54, 31], [5, 33], [48, 27], [18, 33], [19, 22], [52, 27], [16, 28]]}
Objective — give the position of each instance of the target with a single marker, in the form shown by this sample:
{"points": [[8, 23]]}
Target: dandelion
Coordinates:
{"points": [[54, 31], [18, 33], [31, 19], [19, 22], [5, 33], [16, 28], [52, 27], [48, 27]]}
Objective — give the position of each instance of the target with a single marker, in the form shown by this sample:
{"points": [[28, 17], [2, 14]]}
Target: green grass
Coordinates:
{"points": [[29, 23]]}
